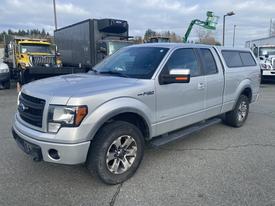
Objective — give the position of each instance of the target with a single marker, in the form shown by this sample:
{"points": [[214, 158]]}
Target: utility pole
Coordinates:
{"points": [[223, 33], [234, 34], [270, 28], [55, 19]]}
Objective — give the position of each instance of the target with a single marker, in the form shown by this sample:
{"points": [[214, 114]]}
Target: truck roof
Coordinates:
{"points": [[267, 45], [33, 42], [29, 40], [177, 45]]}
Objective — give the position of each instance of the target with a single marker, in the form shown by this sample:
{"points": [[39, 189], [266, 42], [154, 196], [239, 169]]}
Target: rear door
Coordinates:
{"points": [[214, 81], [180, 104]]}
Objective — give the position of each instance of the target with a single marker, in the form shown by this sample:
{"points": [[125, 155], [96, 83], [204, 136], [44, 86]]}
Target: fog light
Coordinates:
{"points": [[54, 154], [53, 127]]}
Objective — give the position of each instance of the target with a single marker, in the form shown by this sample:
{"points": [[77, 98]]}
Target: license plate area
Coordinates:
{"points": [[30, 149]]}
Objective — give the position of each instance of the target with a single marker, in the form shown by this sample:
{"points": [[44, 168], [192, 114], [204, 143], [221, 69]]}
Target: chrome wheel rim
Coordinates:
{"points": [[242, 111], [121, 154]]}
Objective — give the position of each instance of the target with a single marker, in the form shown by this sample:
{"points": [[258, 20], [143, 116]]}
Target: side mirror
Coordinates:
{"points": [[261, 58], [266, 56], [175, 76], [103, 50]]}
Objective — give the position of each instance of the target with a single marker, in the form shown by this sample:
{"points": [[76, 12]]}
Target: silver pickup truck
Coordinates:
{"points": [[149, 93]]}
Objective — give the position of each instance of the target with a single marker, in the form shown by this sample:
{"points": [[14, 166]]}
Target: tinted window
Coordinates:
{"points": [[209, 63], [134, 62], [232, 58], [247, 59], [183, 59]]}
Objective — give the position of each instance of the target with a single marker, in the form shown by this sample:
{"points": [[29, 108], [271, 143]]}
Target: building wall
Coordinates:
{"points": [[260, 42]]}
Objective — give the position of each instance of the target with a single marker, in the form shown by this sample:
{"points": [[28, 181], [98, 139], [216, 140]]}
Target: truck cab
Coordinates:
{"points": [[266, 57], [25, 54]]}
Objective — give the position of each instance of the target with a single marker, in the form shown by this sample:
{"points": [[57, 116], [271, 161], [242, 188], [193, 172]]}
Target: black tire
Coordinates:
{"points": [[7, 84], [24, 76], [262, 79], [103, 143], [233, 118]]}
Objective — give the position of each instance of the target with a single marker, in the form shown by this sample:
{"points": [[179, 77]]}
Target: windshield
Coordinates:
{"points": [[35, 48], [115, 46], [267, 50], [134, 62]]}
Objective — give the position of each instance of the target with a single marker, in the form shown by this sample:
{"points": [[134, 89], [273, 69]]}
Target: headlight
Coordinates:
{"points": [[65, 116], [263, 66], [4, 70]]}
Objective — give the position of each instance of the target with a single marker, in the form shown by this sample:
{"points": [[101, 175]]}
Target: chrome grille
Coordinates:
{"points": [[42, 60], [31, 109]]}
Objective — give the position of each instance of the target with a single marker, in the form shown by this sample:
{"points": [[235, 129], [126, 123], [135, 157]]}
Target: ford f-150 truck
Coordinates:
{"points": [[153, 93]]}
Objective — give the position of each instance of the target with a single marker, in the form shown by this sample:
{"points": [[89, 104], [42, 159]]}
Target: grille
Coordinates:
{"points": [[42, 60], [273, 63], [31, 109]]}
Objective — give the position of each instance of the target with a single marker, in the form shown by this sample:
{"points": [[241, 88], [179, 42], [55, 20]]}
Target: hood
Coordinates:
{"points": [[75, 85]]}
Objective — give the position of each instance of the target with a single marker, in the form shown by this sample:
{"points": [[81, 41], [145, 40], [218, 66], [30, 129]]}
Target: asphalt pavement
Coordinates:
{"points": [[218, 166]]}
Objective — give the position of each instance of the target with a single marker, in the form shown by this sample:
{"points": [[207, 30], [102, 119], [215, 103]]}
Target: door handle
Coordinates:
{"points": [[201, 85]]}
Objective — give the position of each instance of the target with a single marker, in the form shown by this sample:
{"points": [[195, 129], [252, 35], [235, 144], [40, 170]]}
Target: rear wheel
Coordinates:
{"points": [[116, 152], [238, 115]]}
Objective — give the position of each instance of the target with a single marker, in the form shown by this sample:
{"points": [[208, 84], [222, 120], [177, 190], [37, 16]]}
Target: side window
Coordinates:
{"points": [[209, 63], [232, 58], [183, 59], [247, 59]]}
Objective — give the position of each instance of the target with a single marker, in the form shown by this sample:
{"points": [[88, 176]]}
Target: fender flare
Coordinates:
{"points": [[242, 86], [115, 107]]}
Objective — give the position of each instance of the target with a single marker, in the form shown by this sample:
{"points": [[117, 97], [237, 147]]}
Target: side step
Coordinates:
{"points": [[180, 134]]}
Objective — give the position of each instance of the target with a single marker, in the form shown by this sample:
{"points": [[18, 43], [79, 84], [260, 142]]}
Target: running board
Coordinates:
{"points": [[180, 134]]}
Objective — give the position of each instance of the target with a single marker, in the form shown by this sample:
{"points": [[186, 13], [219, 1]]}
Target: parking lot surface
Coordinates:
{"points": [[218, 166]]}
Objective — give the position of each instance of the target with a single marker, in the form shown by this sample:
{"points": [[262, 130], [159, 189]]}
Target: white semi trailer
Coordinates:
{"points": [[264, 50]]}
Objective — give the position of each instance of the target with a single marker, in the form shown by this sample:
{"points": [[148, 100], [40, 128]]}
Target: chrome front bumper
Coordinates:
{"points": [[68, 153]]}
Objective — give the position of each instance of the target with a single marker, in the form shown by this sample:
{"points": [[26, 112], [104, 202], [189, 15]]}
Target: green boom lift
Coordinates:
{"points": [[210, 23]]}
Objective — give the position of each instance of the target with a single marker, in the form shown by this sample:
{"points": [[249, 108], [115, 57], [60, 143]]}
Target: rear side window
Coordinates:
{"points": [[209, 62], [232, 58], [238, 58], [247, 59]]}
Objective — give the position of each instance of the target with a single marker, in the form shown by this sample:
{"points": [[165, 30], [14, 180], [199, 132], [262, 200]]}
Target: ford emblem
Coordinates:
{"points": [[22, 107]]}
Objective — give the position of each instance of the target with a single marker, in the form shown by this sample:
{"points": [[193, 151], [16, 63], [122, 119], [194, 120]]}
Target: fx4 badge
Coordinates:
{"points": [[146, 93]]}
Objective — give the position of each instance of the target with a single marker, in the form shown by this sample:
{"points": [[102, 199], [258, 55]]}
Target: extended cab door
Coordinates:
{"points": [[214, 78], [180, 104]]}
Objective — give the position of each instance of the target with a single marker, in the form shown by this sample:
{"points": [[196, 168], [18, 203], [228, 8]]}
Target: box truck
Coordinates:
{"points": [[86, 43]]}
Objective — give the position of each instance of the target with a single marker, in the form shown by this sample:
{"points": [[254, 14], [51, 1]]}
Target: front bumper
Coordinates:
{"points": [[268, 73], [68, 153], [4, 77]]}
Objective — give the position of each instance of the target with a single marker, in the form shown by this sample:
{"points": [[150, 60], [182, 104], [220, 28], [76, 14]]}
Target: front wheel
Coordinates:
{"points": [[116, 152], [238, 115]]}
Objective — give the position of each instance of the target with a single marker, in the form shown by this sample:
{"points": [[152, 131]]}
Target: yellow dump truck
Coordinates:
{"points": [[31, 59]]}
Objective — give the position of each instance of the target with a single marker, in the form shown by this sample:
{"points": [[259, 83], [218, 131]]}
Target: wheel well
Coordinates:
{"points": [[134, 119], [247, 92]]}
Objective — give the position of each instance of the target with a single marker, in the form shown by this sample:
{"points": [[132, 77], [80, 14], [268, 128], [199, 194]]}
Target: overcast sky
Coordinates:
{"points": [[252, 17]]}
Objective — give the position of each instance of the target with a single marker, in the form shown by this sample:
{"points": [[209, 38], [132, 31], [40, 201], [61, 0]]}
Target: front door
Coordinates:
{"points": [[180, 104]]}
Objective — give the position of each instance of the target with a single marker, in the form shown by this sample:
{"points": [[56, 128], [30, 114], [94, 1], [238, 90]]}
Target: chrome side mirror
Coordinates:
{"points": [[175, 76]]}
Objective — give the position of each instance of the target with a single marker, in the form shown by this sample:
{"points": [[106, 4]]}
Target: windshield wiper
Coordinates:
{"points": [[114, 73]]}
